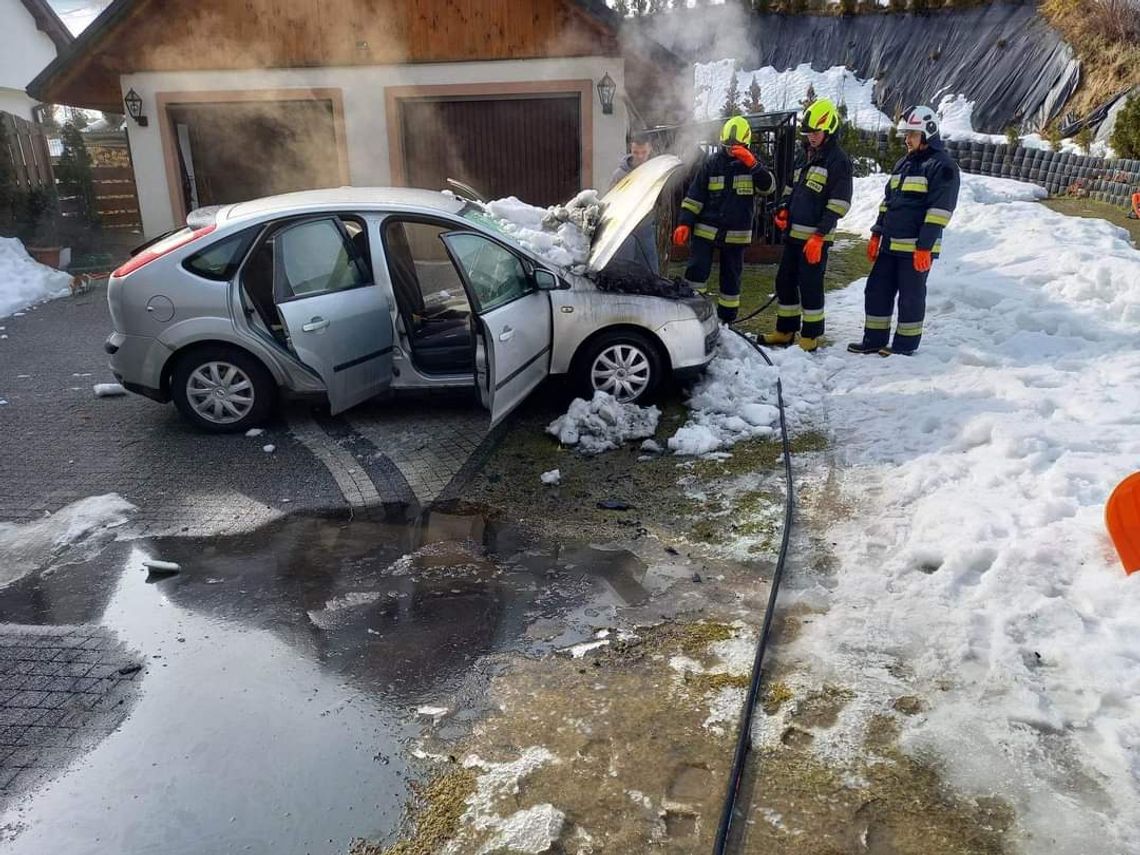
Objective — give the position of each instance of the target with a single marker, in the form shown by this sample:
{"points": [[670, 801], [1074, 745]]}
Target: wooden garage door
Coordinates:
{"points": [[526, 147], [235, 151]]}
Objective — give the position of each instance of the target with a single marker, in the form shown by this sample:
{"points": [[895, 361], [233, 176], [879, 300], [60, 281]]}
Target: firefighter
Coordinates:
{"points": [[820, 193], [907, 237], [718, 212]]}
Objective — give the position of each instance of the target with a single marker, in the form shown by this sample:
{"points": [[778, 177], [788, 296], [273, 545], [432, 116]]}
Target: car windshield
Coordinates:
{"points": [[475, 214]]}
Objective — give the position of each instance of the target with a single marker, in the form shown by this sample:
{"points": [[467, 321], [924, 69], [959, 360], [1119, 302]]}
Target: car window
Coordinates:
{"points": [[495, 274], [220, 260], [423, 277], [316, 259]]}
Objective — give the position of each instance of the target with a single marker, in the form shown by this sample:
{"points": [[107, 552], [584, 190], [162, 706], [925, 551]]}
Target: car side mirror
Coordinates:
{"points": [[547, 281]]}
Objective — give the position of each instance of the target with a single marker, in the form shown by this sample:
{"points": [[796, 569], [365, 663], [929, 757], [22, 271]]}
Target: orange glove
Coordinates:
{"points": [[813, 249], [873, 247], [742, 154], [922, 260], [780, 218], [681, 235]]}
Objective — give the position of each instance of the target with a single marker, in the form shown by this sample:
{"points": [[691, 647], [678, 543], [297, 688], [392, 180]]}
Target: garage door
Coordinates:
{"points": [[231, 152], [529, 147]]}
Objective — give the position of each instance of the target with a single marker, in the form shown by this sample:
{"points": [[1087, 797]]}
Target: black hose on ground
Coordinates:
{"points": [[751, 315], [744, 736]]}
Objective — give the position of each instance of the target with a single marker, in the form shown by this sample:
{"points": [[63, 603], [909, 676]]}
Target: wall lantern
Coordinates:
{"points": [[606, 90], [134, 107]]}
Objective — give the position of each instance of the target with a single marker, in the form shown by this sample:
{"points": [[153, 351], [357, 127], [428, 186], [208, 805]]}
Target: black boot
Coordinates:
{"points": [[862, 347]]}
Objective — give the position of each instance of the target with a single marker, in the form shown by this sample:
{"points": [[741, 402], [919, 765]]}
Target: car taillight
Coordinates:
{"points": [[162, 248]]}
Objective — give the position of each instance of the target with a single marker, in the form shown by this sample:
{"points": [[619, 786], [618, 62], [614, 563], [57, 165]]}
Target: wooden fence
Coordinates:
{"points": [[28, 150], [116, 197]]}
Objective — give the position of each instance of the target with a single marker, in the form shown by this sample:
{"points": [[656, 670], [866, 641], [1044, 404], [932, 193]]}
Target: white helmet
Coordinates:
{"points": [[919, 118]]}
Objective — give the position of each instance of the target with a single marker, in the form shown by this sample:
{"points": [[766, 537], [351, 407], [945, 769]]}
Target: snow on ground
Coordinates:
{"points": [[603, 424], [24, 281], [975, 569], [785, 90], [957, 115], [84, 525]]}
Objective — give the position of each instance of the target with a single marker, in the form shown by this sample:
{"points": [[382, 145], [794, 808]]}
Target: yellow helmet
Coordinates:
{"points": [[820, 115], [736, 131]]}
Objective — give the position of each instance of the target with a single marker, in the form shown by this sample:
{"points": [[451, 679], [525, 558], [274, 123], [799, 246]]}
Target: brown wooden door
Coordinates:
{"points": [[530, 147]]}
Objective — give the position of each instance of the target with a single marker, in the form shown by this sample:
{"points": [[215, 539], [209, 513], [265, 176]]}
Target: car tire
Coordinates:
{"points": [[624, 363], [247, 395]]}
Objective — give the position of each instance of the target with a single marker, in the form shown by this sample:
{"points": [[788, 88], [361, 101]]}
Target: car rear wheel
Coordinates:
{"points": [[222, 390], [623, 363]]}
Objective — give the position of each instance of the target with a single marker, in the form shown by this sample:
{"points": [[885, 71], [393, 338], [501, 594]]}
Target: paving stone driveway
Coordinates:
{"points": [[61, 443]]}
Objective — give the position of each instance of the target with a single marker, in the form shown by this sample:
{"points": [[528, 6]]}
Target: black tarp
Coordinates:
{"points": [[1005, 57]]}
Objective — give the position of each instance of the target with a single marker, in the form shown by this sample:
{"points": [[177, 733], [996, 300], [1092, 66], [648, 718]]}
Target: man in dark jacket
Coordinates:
{"points": [[820, 193], [718, 212], [920, 199], [641, 246]]}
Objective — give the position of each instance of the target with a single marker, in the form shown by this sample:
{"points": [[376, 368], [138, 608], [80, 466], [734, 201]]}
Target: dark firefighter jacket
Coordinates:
{"points": [[720, 203], [820, 192], [919, 201]]}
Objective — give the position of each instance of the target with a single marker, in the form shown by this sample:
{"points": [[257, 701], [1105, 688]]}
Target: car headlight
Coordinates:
{"points": [[701, 306]]}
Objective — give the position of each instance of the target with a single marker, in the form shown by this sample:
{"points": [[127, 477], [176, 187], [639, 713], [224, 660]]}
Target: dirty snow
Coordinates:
{"points": [[108, 390], [83, 527], [24, 281], [559, 234], [552, 478], [974, 569], [603, 424], [532, 830]]}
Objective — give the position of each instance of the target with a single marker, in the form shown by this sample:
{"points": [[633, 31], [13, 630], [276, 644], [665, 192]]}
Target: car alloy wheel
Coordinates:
{"points": [[623, 370], [220, 392]]}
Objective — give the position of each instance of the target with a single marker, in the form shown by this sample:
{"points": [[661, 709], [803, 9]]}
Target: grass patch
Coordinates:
{"points": [[1109, 62], [704, 684], [442, 801], [846, 262], [755, 455], [1091, 209]]}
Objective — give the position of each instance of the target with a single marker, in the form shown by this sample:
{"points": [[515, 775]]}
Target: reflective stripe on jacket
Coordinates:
{"points": [[919, 201], [720, 204], [819, 193]]}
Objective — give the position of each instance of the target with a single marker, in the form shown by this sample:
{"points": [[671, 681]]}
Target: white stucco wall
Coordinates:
{"points": [[24, 52], [366, 128]]}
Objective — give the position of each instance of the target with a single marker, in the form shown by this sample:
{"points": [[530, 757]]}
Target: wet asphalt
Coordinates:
{"points": [[286, 674]]}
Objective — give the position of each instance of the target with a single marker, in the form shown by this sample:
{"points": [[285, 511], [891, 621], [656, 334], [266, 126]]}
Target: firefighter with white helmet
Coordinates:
{"points": [[812, 204], [718, 210], [920, 198]]}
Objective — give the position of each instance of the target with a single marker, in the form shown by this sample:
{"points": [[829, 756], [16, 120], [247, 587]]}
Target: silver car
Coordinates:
{"points": [[348, 292]]}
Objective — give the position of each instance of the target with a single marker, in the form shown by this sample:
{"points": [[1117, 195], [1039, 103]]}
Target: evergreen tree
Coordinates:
{"points": [[732, 99], [809, 97], [754, 103], [638, 8], [1125, 139], [73, 174]]}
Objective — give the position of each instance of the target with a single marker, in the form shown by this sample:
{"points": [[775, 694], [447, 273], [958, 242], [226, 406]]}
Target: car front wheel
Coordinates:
{"points": [[222, 390], [624, 364]]}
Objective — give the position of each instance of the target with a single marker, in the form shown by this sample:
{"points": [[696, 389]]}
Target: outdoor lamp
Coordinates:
{"points": [[134, 107], [606, 90]]}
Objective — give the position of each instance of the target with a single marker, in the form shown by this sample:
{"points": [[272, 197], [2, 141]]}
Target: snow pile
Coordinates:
{"points": [[785, 90], [975, 570], [83, 525], [603, 424], [560, 234], [532, 829], [956, 113], [552, 478], [24, 281], [108, 390]]}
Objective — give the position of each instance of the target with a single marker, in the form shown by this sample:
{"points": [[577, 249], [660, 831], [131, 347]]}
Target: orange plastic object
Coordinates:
{"points": [[1122, 516]]}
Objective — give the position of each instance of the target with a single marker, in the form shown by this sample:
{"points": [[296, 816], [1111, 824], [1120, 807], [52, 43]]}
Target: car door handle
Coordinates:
{"points": [[314, 325], [507, 334]]}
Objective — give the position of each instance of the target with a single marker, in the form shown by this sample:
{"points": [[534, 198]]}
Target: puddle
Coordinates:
{"points": [[285, 669]]}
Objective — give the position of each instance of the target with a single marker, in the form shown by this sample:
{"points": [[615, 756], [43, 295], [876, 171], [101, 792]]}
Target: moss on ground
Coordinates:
{"points": [[439, 805], [1090, 208]]}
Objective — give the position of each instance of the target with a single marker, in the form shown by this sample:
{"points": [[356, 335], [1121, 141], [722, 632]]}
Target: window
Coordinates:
{"points": [[496, 275], [220, 260], [424, 279], [315, 258]]}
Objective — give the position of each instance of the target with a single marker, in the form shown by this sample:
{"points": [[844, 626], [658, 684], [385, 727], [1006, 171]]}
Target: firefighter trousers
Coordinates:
{"points": [[731, 265], [894, 275], [799, 291]]}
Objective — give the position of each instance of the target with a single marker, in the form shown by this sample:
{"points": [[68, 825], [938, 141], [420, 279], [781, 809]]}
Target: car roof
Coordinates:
{"points": [[361, 198]]}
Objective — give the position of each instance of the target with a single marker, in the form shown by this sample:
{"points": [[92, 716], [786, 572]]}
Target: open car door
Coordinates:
{"points": [[338, 320], [514, 316]]}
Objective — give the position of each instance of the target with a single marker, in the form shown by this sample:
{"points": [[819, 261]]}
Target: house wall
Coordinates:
{"points": [[363, 98], [24, 52]]}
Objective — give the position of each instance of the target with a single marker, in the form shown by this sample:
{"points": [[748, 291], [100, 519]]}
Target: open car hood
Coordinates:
{"points": [[627, 204]]}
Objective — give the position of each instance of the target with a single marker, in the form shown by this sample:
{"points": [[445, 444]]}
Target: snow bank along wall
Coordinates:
{"points": [[1004, 57]]}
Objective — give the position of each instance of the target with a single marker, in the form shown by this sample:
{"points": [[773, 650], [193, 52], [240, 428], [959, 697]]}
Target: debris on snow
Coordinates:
{"points": [[552, 478], [24, 281], [108, 390], [603, 424]]}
